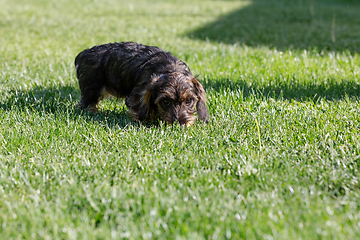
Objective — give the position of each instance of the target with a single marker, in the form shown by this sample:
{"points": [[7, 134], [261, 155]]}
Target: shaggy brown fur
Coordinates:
{"points": [[154, 83]]}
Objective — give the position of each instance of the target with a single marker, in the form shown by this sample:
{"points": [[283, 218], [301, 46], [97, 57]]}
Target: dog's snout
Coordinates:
{"points": [[175, 118], [175, 115]]}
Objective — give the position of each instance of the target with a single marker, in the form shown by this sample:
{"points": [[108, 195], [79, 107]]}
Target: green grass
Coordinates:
{"points": [[279, 159]]}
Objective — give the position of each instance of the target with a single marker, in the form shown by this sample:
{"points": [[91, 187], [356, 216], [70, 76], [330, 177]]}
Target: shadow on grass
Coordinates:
{"points": [[330, 90], [61, 101], [330, 25]]}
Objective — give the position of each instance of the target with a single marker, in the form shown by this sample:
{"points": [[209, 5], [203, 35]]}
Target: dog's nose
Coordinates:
{"points": [[182, 120]]}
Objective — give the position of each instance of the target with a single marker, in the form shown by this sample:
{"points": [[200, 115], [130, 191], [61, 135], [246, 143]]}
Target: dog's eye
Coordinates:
{"points": [[188, 101], [166, 102]]}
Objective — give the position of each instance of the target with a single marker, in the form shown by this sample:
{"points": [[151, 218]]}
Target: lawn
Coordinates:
{"points": [[279, 159]]}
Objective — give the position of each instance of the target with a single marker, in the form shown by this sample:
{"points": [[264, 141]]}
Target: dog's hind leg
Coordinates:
{"points": [[90, 103], [91, 81], [92, 92], [92, 89]]}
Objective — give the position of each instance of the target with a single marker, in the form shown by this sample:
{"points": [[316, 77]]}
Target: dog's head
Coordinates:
{"points": [[176, 97]]}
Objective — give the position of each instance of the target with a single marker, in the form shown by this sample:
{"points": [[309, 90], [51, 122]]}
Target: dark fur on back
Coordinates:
{"points": [[141, 74]]}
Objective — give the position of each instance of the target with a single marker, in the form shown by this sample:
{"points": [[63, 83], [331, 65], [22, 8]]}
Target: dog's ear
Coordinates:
{"points": [[148, 106], [140, 104], [201, 107]]}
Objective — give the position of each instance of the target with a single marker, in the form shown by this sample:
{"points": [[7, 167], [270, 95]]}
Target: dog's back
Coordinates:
{"points": [[121, 66]]}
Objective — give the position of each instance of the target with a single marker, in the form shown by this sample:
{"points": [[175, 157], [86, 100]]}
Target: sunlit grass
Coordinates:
{"points": [[278, 160]]}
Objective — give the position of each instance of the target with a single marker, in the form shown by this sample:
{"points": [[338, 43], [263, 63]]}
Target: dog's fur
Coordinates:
{"points": [[155, 83]]}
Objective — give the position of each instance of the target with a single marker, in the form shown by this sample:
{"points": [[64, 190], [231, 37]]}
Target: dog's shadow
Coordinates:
{"points": [[61, 101]]}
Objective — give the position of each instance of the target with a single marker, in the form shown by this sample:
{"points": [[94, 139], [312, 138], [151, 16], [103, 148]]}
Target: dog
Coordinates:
{"points": [[154, 83]]}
